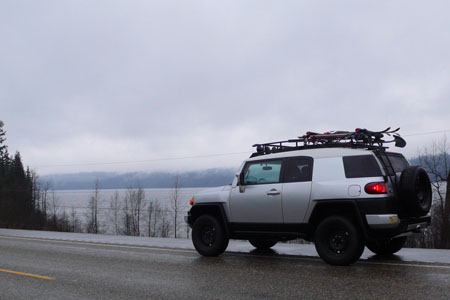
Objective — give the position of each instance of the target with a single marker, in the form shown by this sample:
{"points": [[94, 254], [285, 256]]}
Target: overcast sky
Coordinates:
{"points": [[114, 81]]}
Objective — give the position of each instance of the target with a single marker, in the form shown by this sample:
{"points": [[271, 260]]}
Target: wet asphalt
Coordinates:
{"points": [[85, 270]]}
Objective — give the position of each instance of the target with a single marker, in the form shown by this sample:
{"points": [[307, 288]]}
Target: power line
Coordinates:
{"points": [[143, 161], [424, 133], [190, 157]]}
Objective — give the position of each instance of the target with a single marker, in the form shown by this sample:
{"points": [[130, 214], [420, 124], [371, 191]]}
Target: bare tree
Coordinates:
{"points": [[135, 201], [54, 209], [164, 226], [150, 215], [114, 206], [137, 208], [93, 225], [446, 214], [64, 222], [435, 159], [175, 202], [126, 216], [43, 197], [157, 216], [153, 213], [75, 224], [39, 192]]}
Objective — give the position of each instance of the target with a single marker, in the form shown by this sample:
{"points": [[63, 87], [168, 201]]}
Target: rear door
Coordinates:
{"points": [[296, 188]]}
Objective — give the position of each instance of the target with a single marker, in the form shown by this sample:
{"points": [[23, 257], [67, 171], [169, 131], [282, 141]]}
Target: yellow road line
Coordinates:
{"points": [[26, 274]]}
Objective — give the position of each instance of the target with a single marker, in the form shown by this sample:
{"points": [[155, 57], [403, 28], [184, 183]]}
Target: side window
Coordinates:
{"points": [[261, 172], [298, 169], [399, 162], [361, 166]]}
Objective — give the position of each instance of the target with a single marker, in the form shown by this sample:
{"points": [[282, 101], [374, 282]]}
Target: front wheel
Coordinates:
{"points": [[338, 241], [386, 247], [208, 236]]}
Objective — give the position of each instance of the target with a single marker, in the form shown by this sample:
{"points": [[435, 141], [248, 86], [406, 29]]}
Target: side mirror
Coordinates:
{"points": [[241, 183], [241, 179]]}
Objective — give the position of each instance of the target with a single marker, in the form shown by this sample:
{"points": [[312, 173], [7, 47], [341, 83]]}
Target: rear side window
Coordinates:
{"points": [[298, 169], [398, 161], [361, 166]]}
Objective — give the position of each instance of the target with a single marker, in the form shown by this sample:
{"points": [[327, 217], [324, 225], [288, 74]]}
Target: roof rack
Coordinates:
{"points": [[360, 138]]}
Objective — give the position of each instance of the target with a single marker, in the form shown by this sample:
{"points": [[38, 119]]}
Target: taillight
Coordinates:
{"points": [[191, 202], [375, 188]]}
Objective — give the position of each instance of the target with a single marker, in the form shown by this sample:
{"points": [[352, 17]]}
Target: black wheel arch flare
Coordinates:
{"points": [[211, 208], [343, 207]]}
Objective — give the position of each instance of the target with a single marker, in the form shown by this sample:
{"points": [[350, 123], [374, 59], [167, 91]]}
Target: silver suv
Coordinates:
{"points": [[340, 190]]}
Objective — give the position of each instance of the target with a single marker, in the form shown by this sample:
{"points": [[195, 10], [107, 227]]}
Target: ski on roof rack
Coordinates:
{"points": [[360, 138]]}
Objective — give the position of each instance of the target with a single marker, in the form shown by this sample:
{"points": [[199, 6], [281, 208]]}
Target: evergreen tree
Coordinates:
{"points": [[3, 171], [17, 168], [16, 196], [3, 148], [4, 157]]}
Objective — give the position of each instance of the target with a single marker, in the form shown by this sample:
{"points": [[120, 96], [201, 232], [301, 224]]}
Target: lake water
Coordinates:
{"points": [[78, 200]]}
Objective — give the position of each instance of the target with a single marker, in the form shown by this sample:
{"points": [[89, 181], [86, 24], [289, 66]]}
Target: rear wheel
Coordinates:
{"points": [[338, 241], [263, 244], [386, 247], [208, 236]]}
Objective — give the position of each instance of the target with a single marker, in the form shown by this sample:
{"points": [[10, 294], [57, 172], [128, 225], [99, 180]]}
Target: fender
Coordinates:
{"points": [[326, 208], [212, 208]]}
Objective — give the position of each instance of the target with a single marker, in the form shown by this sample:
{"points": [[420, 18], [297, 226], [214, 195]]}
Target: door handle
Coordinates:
{"points": [[273, 192]]}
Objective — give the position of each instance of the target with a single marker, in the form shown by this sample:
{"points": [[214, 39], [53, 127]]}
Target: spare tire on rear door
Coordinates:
{"points": [[415, 191]]}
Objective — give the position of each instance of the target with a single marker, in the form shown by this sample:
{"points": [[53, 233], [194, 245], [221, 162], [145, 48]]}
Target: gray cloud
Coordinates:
{"points": [[84, 81]]}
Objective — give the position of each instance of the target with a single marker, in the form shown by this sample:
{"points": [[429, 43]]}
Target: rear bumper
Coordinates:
{"points": [[382, 220], [390, 226]]}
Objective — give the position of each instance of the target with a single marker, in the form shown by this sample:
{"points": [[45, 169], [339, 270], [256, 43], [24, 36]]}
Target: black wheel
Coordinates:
{"points": [[208, 236], [386, 247], [415, 191], [338, 241], [263, 244]]}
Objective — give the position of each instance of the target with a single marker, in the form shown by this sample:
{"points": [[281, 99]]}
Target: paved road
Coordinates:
{"points": [[56, 269]]}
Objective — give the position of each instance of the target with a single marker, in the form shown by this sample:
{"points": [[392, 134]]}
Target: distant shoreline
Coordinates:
{"points": [[157, 180]]}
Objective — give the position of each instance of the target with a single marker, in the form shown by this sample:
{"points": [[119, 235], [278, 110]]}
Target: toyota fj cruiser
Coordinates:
{"points": [[341, 190]]}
